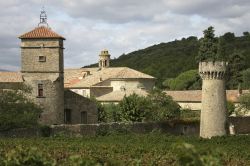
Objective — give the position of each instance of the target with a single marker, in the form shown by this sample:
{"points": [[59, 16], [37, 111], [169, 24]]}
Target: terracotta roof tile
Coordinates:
{"points": [[195, 95], [96, 76], [9, 77], [41, 32], [117, 96]]}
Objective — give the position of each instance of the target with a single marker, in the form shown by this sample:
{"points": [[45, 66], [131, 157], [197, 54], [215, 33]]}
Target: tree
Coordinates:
{"points": [[246, 79], [246, 34], [134, 108], [163, 107], [101, 113], [208, 46], [229, 37], [185, 81], [236, 65], [16, 110], [221, 52]]}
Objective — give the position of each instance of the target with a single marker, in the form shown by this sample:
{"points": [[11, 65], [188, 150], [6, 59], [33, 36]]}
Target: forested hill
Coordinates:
{"points": [[167, 60]]}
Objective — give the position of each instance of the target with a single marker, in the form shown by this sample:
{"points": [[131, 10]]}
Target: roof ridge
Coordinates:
{"points": [[40, 32]]}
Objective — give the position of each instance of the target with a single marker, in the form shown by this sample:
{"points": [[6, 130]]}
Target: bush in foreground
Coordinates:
{"points": [[17, 111]]}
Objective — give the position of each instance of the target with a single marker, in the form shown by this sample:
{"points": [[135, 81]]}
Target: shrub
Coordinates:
{"points": [[230, 108], [45, 131], [16, 110], [102, 115], [188, 114], [244, 106], [112, 112], [134, 108], [162, 106]]}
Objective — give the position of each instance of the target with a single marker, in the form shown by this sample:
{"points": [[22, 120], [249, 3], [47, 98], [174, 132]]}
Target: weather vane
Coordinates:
{"points": [[43, 18]]}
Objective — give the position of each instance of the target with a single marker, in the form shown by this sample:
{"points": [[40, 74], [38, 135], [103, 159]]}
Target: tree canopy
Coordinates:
{"points": [[168, 60], [17, 111]]}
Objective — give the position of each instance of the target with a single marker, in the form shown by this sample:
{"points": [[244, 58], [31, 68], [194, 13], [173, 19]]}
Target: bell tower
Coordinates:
{"points": [[104, 60], [42, 68]]}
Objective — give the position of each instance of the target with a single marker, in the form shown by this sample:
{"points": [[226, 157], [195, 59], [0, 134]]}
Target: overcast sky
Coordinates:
{"points": [[121, 26]]}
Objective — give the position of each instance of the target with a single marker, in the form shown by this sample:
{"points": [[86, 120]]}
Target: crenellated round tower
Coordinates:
{"points": [[213, 111]]}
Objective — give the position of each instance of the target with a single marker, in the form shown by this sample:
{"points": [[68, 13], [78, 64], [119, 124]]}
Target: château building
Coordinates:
{"points": [[108, 84], [42, 69]]}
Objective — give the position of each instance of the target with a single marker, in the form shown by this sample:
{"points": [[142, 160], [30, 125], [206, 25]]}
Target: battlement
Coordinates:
{"points": [[213, 70]]}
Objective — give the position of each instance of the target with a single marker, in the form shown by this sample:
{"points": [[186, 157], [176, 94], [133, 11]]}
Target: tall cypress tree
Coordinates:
{"points": [[208, 46]]}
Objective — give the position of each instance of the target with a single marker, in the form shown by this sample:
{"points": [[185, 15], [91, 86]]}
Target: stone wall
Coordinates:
{"points": [[175, 128], [52, 49], [241, 124], [100, 91], [53, 100], [11, 85], [78, 104], [48, 72], [32, 132]]}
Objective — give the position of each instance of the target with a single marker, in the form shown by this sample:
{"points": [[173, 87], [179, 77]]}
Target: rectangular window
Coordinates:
{"points": [[84, 117], [40, 90], [84, 93], [42, 58], [67, 116]]}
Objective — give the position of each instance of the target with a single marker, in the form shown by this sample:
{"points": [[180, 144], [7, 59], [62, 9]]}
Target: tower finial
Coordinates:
{"points": [[43, 18]]}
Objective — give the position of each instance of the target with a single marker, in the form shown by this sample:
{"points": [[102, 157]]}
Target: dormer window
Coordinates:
{"points": [[42, 58]]}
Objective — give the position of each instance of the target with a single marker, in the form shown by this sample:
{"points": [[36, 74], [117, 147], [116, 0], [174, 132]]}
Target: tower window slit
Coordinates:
{"points": [[40, 90]]}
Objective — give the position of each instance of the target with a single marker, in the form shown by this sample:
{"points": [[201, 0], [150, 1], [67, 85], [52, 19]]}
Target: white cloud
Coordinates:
{"points": [[120, 26]]}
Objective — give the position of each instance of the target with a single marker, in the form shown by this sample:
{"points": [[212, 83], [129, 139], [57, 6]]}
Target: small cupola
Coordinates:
{"points": [[104, 60]]}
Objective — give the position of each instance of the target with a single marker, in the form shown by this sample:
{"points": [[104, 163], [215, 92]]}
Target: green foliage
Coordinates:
{"points": [[230, 108], [188, 80], [113, 112], [221, 52], [21, 156], [189, 156], [102, 115], [162, 106], [208, 46], [157, 106], [244, 106], [45, 131], [77, 160], [236, 65], [17, 111], [134, 108], [175, 57], [246, 79], [188, 114], [128, 149]]}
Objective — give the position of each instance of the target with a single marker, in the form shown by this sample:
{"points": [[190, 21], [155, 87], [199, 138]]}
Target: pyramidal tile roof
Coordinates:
{"points": [[41, 32]]}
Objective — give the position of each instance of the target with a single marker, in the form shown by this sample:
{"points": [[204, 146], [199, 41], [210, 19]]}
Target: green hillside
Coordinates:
{"points": [[168, 60]]}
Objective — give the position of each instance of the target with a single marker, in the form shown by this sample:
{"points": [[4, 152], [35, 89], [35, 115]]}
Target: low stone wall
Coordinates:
{"points": [[241, 126], [23, 132], [171, 127]]}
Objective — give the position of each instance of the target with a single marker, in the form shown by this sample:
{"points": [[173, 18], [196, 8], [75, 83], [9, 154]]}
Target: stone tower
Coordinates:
{"points": [[42, 69], [104, 59], [213, 111]]}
